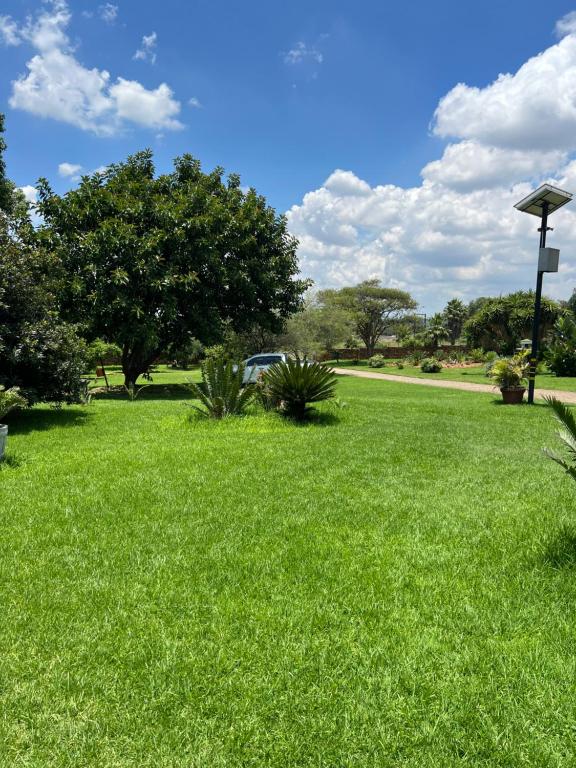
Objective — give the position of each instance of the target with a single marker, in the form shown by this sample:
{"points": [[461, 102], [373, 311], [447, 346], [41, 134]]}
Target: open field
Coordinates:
{"points": [[392, 585], [473, 374]]}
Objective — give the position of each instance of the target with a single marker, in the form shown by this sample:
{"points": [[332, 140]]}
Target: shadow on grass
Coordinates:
{"points": [[9, 461], [314, 418], [560, 552], [36, 419], [148, 392]]}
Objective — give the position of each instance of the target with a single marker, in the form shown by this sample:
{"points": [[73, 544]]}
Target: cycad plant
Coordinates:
{"points": [[221, 392], [567, 434], [296, 383]]}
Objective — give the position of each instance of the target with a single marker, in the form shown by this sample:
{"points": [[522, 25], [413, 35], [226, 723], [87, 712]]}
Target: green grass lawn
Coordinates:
{"points": [[474, 374], [393, 585]]}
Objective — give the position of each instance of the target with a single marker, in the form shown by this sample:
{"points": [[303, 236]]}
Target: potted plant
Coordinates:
{"points": [[509, 374], [9, 399]]}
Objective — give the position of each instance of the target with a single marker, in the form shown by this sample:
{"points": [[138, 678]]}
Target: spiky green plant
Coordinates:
{"points": [[221, 392], [296, 383], [567, 434]]}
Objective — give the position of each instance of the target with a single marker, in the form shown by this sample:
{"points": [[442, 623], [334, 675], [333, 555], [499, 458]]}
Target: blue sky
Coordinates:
{"points": [[327, 108]]}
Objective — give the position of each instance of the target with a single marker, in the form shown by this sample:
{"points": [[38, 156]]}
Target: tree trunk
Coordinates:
{"points": [[135, 362]]}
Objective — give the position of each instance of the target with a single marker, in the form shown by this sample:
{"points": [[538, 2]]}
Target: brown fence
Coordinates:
{"points": [[394, 353]]}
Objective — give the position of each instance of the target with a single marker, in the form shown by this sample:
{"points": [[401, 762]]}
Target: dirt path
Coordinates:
{"points": [[565, 397]]}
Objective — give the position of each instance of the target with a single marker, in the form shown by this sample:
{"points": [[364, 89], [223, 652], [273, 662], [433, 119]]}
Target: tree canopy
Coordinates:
{"points": [[503, 322], [371, 307], [153, 260]]}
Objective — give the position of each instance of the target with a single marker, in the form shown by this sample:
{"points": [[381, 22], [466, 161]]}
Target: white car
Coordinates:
{"points": [[257, 364]]}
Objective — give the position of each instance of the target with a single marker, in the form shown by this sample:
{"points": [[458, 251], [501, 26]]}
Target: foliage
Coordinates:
{"points": [[296, 383], [477, 355], [6, 186], [377, 361], [264, 394], [561, 353], [151, 260], [187, 354], [454, 316], [221, 392], [371, 307], [10, 399], [502, 322], [399, 364], [430, 365], [39, 353], [435, 332], [509, 372], [100, 352], [567, 435]]}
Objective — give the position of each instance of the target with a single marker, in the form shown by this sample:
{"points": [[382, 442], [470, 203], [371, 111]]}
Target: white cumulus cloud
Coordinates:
{"points": [[532, 109], [457, 232], [58, 86]]}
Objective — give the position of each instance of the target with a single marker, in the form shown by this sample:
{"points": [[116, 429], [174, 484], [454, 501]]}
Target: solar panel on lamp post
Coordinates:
{"points": [[542, 202]]}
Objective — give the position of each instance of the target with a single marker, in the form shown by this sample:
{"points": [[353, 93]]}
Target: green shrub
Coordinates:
{"points": [[440, 355], [416, 357], [377, 361], [399, 364], [430, 365], [9, 400], [264, 394], [508, 372], [221, 392], [561, 356], [296, 383], [100, 352], [478, 355], [188, 354]]}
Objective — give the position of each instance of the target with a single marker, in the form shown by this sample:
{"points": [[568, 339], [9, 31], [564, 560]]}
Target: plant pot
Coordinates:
{"points": [[512, 395], [3, 439]]}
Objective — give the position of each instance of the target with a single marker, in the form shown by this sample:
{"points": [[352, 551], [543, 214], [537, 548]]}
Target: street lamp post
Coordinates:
{"points": [[542, 202]]}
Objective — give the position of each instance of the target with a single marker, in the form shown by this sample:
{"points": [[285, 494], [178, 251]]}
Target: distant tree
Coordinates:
{"points": [[153, 260], [571, 303], [503, 322], [454, 316], [436, 331], [476, 304], [371, 307]]}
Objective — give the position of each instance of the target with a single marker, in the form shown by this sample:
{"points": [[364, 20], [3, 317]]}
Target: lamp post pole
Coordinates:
{"points": [[537, 305]]}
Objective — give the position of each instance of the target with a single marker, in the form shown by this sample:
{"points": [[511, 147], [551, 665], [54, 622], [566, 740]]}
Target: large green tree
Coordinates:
{"points": [[152, 260], [372, 308], [503, 322]]}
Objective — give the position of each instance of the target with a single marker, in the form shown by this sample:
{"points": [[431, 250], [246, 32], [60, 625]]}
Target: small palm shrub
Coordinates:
{"points": [[430, 365], [9, 400], [399, 364], [377, 361], [478, 355], [296, 383], [509, 372], [567, 434], [221, 392]]}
